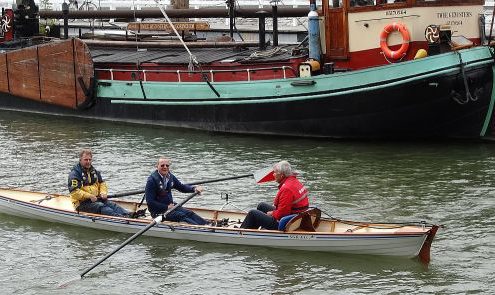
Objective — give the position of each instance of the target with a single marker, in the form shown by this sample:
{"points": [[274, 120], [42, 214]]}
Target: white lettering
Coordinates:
{"points": [[302, 237]]}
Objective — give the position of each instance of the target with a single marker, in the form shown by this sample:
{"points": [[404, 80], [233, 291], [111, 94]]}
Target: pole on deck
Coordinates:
{"points": [[275, 22], [65, 11]]}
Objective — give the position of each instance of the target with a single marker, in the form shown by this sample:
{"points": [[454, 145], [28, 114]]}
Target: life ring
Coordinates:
{"points": [[406, 38]]}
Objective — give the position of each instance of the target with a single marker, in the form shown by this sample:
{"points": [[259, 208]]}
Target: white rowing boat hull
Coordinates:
{"points": [[385, 239]]}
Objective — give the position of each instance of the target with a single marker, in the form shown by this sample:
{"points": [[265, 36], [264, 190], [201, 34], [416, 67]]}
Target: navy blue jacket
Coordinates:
{"points": [[159, 196]]}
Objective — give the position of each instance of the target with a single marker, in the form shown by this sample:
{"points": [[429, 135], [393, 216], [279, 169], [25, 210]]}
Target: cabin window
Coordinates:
{"points": [[355, 3], [450, 2], [335, 3]]}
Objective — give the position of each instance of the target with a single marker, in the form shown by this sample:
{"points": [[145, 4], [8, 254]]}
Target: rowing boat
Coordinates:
{"points": [[305, 231]]}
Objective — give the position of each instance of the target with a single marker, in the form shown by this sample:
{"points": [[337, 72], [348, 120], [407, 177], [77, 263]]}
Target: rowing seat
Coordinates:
{"points": [[305, 221]]}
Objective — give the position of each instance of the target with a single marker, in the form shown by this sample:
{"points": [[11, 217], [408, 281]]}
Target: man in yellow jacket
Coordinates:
{"points": [[89, 191]]}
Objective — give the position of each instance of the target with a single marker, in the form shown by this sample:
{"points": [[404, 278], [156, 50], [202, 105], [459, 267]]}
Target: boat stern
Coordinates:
{"points": [[424, 253]]}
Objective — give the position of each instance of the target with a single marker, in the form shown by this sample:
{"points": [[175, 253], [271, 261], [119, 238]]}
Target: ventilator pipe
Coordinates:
{"points": [[275, 22], [314, 32], [261, 29], [65, 11], [231, 5]]}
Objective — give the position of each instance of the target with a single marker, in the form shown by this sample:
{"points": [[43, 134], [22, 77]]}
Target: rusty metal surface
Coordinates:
{"points": [[48, 72], [23, 73], [83, 68], [56, 70], [4, 82]]}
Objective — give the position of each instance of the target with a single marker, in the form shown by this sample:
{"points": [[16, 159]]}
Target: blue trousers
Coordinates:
{"points": [[100, 207], [258, 217], [184, 215]]}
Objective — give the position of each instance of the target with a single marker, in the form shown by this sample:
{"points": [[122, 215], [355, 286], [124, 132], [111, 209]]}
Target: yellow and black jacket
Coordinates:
{"points": [[85, 183]]}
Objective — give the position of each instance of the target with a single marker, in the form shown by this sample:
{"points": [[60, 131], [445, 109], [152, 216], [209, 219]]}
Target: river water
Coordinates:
{"points": [[448, 183]]}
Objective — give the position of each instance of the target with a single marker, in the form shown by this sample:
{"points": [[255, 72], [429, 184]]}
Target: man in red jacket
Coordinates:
{"points": [[292, 197]]}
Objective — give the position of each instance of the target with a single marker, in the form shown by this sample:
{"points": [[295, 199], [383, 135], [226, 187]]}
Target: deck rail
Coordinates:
{"points": [[211, 73]]}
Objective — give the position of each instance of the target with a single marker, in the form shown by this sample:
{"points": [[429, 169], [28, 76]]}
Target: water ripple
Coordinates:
{"points": [[449, 184]]}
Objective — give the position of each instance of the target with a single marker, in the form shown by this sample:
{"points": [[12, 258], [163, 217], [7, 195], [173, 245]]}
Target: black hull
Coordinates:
{"points": [[435, 108]]}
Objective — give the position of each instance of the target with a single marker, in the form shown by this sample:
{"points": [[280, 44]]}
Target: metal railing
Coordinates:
{"points": [[211, 73]]}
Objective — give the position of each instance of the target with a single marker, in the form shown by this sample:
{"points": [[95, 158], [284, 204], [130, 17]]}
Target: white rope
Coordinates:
{"points": [[135, 33], [267, 53], [192, 59]]}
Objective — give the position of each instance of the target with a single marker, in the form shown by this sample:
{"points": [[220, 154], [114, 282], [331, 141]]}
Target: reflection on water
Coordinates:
{"points": [[446, 183]]}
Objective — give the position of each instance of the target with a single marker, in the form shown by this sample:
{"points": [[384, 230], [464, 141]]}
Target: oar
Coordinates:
{"points": [[130, 193], [261, 175], [124, 194], [155, 221]]}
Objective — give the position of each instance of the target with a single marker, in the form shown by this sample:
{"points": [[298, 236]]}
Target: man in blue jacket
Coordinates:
{"points": [[159, 194]]}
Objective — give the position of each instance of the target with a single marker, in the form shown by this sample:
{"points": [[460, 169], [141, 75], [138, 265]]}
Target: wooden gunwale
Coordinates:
{"points": [[217, 214]]}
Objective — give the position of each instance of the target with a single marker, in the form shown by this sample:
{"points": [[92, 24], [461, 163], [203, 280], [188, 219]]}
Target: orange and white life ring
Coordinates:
{"points": [[406, 38]]}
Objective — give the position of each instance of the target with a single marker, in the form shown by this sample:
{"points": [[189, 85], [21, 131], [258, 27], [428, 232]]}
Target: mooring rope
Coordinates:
{"points": [[192, 59], [466, 85]]}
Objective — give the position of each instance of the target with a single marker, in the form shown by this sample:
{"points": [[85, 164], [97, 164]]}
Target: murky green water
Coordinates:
{"points": [[447, 183]]}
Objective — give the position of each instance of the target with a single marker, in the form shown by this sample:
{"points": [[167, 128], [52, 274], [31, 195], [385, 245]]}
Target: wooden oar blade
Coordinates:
{"points": [[264, 175], [68, 282]]}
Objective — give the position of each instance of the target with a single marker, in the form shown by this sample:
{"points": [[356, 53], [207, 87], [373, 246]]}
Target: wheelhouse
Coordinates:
{"points": [[352, 32]]}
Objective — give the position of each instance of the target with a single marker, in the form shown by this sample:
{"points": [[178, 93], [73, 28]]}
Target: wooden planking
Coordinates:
{"points": [[23, 73], [4, 82], [56, 69]]}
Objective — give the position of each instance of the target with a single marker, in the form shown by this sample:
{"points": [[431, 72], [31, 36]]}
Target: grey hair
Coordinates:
{"points": [[162, 158], [85, 152], [284, 168]]}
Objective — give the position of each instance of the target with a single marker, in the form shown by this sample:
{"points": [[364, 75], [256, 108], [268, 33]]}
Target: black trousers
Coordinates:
{"points": [[258, 217]]}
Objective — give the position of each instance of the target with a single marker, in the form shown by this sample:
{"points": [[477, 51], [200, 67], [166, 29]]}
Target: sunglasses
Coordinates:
{"points": [[165, 165]]}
